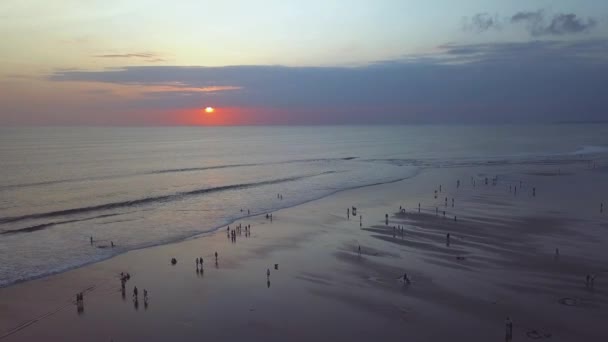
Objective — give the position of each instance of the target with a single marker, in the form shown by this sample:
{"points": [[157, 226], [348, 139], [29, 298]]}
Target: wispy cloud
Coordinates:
{"points": [[148, 56], [481, 22]]}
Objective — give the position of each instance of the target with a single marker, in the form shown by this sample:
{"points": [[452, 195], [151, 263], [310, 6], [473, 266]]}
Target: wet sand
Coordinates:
{"points": [[500, 262]]}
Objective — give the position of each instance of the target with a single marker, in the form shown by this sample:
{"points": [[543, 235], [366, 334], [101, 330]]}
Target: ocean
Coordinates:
{"points": [[140, 187]]}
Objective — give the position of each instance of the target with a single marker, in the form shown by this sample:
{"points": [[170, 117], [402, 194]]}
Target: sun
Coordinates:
{"points": [[209, 110]]}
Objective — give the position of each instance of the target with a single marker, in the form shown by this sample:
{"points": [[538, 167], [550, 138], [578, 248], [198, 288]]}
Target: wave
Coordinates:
{"points": [[591, 149], [155, 172], [154, 199], [51, 224]]}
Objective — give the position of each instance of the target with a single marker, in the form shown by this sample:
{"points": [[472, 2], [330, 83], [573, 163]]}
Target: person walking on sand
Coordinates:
{"points": [[406, 279], [348, 213], [508, 329], [196, 260], [386, 218], [91, 240], [360, 220], [135, 292], [145, 296], [216, 256], [201, 261], [418, 206], [268, 273], [452, 202]]}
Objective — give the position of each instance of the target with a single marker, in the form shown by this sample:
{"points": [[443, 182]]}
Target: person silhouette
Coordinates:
{"points": [[508, 329]]}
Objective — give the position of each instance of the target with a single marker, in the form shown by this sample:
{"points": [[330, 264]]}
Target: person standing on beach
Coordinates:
{"points": [[508, 329], [268, 273], [418, 206], [135, 292], [359, 250], [386, 219], [447, 239], [360, 220], [348, 213], [91, 239], [601, 207], [452, 203]]}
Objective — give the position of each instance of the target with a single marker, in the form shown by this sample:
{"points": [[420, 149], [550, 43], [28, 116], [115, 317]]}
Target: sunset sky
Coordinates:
{"points": [[110, 62]]}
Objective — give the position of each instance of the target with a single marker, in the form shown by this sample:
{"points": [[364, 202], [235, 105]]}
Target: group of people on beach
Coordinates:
{"points": [[238, 230]]}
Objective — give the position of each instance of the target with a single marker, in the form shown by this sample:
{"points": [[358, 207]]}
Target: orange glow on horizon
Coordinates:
{"points": [[209, 110]]}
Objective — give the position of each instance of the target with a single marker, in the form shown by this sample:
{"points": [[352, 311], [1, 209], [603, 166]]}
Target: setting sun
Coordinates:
{"points": [[209, 110]]}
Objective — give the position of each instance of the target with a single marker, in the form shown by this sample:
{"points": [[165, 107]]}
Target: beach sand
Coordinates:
{"points": [[500, 263]]}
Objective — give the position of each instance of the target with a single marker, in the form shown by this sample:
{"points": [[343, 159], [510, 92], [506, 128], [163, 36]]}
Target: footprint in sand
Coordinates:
{"points": [[569, 301], [374, 279], [537, 335]]}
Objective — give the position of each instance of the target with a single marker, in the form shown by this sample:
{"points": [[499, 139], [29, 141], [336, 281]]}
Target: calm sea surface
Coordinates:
{"points": [[144, 186]]}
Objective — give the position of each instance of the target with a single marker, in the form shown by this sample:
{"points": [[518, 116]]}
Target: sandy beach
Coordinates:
{"points": [[501, 262]]}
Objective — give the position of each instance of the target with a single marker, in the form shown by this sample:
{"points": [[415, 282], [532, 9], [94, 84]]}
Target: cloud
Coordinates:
{"points": [[148, 56], [538, 24], [492, 82], [481, 22]]}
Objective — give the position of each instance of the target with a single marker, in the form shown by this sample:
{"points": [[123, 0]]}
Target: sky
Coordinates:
{"points": [[151, 63]]}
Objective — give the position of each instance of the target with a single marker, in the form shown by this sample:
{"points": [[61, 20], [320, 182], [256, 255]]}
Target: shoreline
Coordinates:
{"points": [[316, 249], [213, 230]]}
